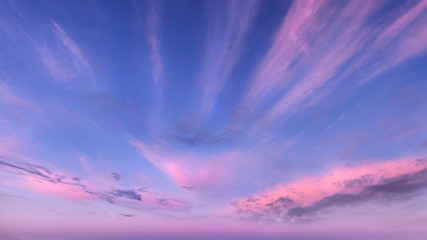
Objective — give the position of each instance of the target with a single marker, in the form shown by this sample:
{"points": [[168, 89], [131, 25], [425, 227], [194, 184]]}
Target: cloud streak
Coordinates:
{"points": [[62, 57], [228, 27], [152, 27], [320, 43], [9, 97]]}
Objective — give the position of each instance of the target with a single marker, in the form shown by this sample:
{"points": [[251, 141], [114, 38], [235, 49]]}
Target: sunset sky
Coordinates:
{"points": [[236, 119]]}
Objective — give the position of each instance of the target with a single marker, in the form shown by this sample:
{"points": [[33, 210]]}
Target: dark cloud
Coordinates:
{"points": [[127, 194], [249, 214], [202, 137], [142, 189], [76, 179], [279, 205], [116, 176], [29, 168], [420, 162], [422, 147], [127, 215], [39, 171], [336, 199], [282, 202], [362, 181], [192, 137], [188, 188]]}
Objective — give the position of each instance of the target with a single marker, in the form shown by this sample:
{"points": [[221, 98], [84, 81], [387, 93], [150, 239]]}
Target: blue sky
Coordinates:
{"points": [[274, 116]]}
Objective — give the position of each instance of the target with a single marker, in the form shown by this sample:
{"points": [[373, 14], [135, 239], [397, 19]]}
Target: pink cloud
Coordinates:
{"points": [[339, 181], [347, 44], [289, 43], [312, 45], [58, 190], [409, 29], [404, 21], [188, 169], [210, 171]]}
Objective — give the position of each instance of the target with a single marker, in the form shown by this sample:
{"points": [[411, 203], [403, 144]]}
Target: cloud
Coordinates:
{"points": [[46, 181], [85, 163], [127, 215], [342, 186], [188, 188], [36, 170], [9, 97], [208, 171], [197, 171], [388, 188], [346, 45], [422, 146], [194, 137], [116, 176], [228, 26], [334, 123], [62, 57], [288, 44], [402, 39], [127, 194], [152, 27], [319, 45]]}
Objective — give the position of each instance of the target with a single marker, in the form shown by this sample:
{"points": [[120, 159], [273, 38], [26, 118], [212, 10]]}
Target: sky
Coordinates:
{"points": [[191, 119]]}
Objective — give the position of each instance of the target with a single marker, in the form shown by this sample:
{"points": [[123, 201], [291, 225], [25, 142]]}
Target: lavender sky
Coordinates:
{"points": [[213, 119]]}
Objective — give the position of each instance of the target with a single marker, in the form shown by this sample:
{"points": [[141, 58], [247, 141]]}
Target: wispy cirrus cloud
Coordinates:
{"points": [[62, 57], [335, 122], [289, 43], [325, 64], [341, 186], [152, 28], [8, 96], [229, 24], [318, 45], [402, 39]]}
